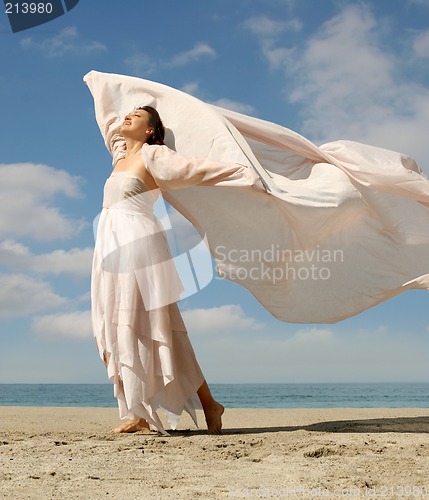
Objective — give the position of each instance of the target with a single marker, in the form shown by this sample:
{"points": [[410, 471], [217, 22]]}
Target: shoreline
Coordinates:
{"points": [[70, 452]]}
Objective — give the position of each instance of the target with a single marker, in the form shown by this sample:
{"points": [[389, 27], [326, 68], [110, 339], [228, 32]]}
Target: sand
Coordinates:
{"points": [[70, 453]]}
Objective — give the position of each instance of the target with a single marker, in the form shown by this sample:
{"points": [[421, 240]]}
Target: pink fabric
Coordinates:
{"points": [[337, 229]]}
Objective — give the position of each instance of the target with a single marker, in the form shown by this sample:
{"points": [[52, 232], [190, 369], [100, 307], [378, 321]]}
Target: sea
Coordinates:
{"points": [[300, 395]]}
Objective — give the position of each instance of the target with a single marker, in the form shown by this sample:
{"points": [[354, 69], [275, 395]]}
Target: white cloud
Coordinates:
{"points": [[193, 88], [240, 107], [75, 325], [265, 27], [311, 355], [376, 355], [342, 73], [278, 57], [86, 297], [46, 181], [76, 261], [21, 295], [351, 84], [310, 336], [268, 31], [219, 320], [143, 64], [423, 3], [198, 52], [68, 41], [26, 209], [421, 45]]}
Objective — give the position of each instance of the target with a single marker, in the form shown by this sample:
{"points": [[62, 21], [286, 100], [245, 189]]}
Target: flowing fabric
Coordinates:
{"points": [[317, 234]]}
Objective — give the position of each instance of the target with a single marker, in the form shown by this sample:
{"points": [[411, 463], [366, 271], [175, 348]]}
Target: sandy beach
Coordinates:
{"points": [[71, 453]]}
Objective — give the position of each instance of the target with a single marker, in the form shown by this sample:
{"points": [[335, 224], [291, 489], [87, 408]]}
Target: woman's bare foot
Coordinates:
{"points": [[213, 414], [212, 409], [136, 425]]}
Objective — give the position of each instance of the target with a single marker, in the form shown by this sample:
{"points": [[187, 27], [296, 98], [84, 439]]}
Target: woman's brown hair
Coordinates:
{"points": [[155, 121]]}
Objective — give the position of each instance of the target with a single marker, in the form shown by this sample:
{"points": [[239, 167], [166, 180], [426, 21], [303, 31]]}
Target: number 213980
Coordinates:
{"points": [[29, 8]]}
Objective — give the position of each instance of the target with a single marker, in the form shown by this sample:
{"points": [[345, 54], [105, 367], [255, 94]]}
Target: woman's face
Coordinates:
{"points": [[136, 125]]}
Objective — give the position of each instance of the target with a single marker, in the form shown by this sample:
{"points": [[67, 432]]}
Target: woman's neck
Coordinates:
{"points": [[133, 147]]}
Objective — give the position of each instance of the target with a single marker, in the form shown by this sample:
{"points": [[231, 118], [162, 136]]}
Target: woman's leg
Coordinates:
{"points": [[132, 425], [212, 409]]}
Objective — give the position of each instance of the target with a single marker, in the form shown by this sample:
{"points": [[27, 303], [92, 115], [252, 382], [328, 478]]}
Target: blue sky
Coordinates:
{"points": [[327, 69]]}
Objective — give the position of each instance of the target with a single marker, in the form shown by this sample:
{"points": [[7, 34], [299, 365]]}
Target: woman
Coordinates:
{"points": [[283, 207], [139, 331]]}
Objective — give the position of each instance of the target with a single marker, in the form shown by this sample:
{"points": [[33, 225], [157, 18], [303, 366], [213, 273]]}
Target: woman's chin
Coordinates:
{"points": [[123, 131]]}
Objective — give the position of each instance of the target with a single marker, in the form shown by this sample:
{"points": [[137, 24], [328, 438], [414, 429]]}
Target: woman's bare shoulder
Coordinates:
{"points": [[136, 165]]}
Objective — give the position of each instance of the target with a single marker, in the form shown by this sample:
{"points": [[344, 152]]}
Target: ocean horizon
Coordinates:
{"points": [[250, 395]]}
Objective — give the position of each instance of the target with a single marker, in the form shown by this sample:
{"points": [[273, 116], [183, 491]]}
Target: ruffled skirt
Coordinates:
{"points": [[141, 338]]}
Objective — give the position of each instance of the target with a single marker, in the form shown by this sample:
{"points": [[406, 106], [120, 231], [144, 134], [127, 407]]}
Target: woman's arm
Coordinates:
{"points": [[171, 170], [117, 148]]}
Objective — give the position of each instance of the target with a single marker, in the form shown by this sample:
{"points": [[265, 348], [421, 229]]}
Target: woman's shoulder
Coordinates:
{"points": [[156, 151]]}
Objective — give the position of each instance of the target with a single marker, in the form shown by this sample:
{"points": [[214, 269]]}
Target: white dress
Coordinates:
{"points": [[138, 328]]}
